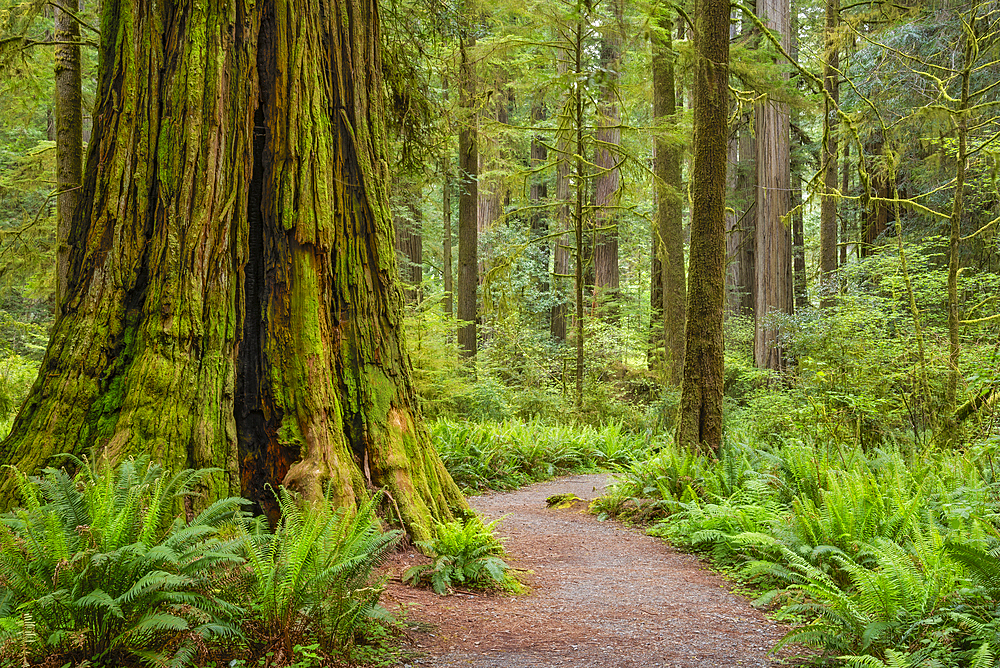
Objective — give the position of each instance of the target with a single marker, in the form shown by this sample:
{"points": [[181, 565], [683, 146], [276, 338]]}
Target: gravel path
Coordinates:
{"points": [[601, 595]]}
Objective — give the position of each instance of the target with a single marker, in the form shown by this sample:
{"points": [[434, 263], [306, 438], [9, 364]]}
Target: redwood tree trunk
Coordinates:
{"points": [[700, 417], [773, 257], [237, 304], [828, 255], [608, 180], [561, 250]]}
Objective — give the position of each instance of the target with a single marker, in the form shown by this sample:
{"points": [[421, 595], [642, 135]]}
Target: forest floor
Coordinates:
{"points": [[601, 594]]}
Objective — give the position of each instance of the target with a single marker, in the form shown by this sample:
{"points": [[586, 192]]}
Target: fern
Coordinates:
{"points": [[463, 553], [102, 571], [314, 574]]}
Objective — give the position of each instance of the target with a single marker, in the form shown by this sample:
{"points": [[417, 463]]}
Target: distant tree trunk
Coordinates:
{"points": [[448, 303], [579, 179], [800, 286], [876, 213], [773, 257], [700, 423], [668, 238], [828, 205], [955, 236], [800, 289], [740, 276], [410, 243], [845, 189], [69, 136], [563, 222], [493, 193], [468, 201], [538, 195], [235, 302], [608, 180]]}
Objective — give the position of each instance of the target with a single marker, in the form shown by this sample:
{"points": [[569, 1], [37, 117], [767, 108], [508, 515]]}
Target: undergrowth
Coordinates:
{"points": [[886, 556]]}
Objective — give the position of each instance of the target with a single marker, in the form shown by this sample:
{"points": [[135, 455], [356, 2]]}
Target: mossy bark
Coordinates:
{"points": [[236, 303], [700, 418]]}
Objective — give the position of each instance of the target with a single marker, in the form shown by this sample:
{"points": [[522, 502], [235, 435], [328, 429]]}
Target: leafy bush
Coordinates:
{"points": [[94, 568], [464, 553]]}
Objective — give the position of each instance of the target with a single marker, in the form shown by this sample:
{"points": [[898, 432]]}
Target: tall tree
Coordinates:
{"points": [[741, 224], [448, 303], [468, 202], [700, 417], [69, 134], [561, 250], [773, 256], [828, 206], [669, 291], [607, 180], [234, 301]]}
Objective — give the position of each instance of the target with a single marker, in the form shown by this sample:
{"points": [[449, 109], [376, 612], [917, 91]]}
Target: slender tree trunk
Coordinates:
{"points": [[800, 286], [955, 236], [700, 424], [773, 257], [607, 183], [69, 136], [468, 199], [800, 290], [538, 196], [561, 251], [579, 179], [235, 302], [448, 303], [668, 241], [740, 232], [845, 189], [828, 205]]}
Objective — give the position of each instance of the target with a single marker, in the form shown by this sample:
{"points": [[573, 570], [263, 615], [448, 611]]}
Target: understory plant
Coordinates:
{"points": [[95, 567], [510, 454], [312, 579], [880, 554], [464, 553]]}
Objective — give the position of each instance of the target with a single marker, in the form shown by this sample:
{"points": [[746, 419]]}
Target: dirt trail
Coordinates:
{"points": [[601, 595]]}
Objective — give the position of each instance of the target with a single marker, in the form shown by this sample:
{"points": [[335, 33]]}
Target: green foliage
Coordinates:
{"points": [[313, 577], [94, 567], [507, 455], [463, 554], [878, 551]]}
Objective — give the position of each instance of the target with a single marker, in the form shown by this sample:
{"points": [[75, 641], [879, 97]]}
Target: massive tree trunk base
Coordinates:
{"points": [[235, 303]]}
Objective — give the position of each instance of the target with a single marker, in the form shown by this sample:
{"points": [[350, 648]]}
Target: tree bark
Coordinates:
{"points": [[700, 423], [741, 226], [668, 239], [561, 251], [69, 136], [607, 183], [410, 243], [828, 205], [448, 303], [773, 257], [236, 303], [468, 199], [538, 196]]}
